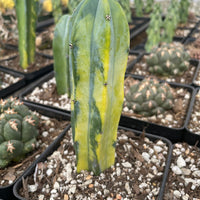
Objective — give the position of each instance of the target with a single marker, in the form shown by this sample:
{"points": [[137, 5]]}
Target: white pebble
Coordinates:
{"points": [[127, 188], [45, 134], [56, 185], [127, 164], [176, 170], [177, 194], [49, 172], [158, 149], [181, 162], [146, 156], [33, 188]]}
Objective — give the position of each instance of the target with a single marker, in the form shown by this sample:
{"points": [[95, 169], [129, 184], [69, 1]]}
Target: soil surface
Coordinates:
{"points": [[40, 62], [174, 118], [137, 173], [49, 129]]}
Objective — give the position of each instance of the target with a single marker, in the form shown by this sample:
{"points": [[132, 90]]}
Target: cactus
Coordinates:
{"points": [[183, 10], [170, 23], [149, 97], [98, 53], [72, 4], [153, 31], [125, 4], [27, 17], [168, 59], [57, 10], [138, 8], [149, 6], [61, 55], [18, 131]]}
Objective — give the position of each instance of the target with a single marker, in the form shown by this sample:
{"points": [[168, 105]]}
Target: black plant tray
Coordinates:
{"points": [[33, 75], [182, 39], [193, 62], [190, 137], [6, 192], [173, 134], [57, 142], [14, 87], [140, 26]]}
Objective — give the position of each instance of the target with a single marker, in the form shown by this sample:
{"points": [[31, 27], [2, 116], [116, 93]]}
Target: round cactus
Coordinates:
{"points": [[168, 59], [149, 97], [18, 131]]}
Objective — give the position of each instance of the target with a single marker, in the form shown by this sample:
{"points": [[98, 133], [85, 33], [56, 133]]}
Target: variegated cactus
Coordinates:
{"points": [[98, 37], [26, 17]]}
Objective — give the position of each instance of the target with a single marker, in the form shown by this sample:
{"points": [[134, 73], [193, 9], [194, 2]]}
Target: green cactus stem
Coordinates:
{"points": [[154, 29], [57, 10], [26, 11], [149, 6], [168, 59], [138, 8], [183, 10], [72, 5], [61, 55], [125, 4], [99, 43], [149, 97]]}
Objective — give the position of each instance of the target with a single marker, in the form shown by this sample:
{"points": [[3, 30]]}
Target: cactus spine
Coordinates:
{"points": [[61, 55], [26, 16], [99, 42]]}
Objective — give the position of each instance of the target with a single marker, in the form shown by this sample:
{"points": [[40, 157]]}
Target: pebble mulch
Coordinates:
{"points": [[6, 80], [194, 123], [184, 177], [137, 173], [46, 94]]}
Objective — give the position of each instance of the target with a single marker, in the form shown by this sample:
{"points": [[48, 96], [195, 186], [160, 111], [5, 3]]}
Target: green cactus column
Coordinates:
{"points": [[57, 10], [183, 10], [99, 42], [61, 55], [26, 17]]}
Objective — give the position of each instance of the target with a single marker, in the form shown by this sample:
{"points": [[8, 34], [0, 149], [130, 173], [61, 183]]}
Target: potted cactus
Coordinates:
{"points": [[23, 136]]}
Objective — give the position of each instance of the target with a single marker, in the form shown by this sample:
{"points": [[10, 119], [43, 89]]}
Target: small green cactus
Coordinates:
{"points": [[170, 23], [183, 10], [154, 29], [149, 6], [138, 8], [149, 97], [168, 60], [18, 131]]}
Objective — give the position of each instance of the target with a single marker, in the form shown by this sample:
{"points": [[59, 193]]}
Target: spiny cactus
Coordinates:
{"points": [[149, 6], [125, 4], [183, 10], [18, 131], [153, 31], [149, 97], [168, 59], [170, 23], [138, 8]]}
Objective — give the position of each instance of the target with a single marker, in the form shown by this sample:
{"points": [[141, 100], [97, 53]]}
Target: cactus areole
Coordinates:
{"points": [[99, 44]]}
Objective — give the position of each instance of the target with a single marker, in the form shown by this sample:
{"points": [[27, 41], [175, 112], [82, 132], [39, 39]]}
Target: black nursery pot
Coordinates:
{"points": [[35, 74], [182, 39], [6, 192], [14, 87], [57, 142], [190, 137], [173, 134]]}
